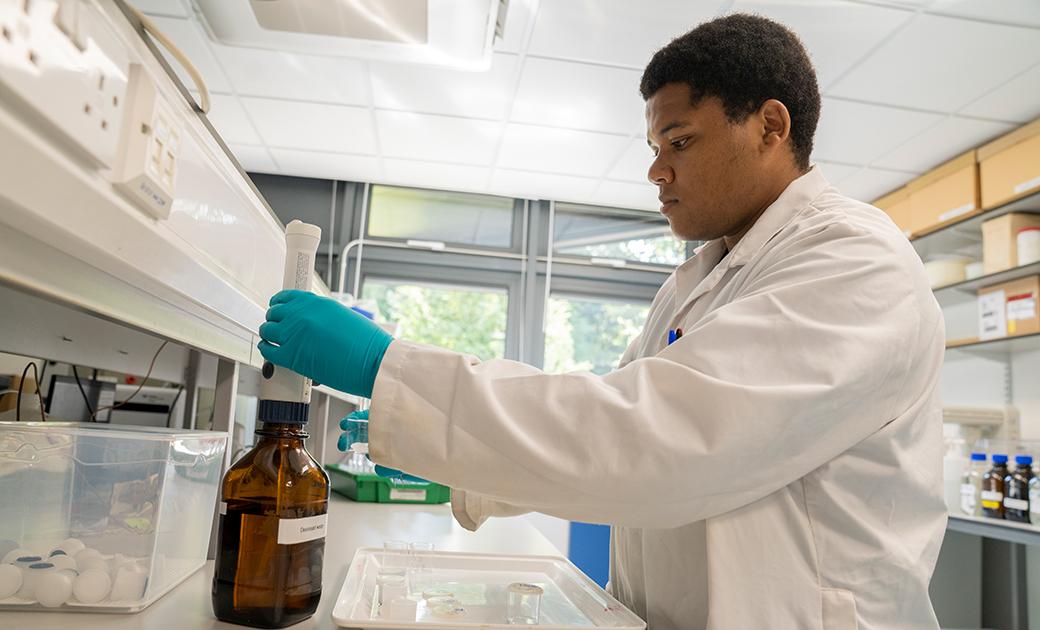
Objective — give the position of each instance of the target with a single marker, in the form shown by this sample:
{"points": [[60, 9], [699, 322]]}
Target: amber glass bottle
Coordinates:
{"points": [[993, 488], [271, 541]]}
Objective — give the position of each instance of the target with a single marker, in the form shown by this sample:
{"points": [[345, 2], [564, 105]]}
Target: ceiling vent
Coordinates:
{"points": [[453, 33]]}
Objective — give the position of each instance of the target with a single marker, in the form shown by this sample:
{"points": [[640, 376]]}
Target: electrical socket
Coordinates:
{"points": [[65, 66], [149, 147]]}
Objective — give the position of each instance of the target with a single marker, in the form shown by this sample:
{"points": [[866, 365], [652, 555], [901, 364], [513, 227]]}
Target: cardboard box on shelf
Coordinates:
{"points": [[1000, 242], [1009, 167], [1009, 309], [896, 205], [947, 194]]}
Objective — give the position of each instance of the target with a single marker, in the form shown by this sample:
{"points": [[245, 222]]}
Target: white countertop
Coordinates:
{"points": [[351, 525]]}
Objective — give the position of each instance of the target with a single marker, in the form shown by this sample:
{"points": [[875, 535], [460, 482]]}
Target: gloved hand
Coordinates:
{"points": [[355, 429], [320, 338]]}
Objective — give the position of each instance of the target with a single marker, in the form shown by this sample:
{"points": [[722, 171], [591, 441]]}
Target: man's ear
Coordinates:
{"points": [[775, 121]]}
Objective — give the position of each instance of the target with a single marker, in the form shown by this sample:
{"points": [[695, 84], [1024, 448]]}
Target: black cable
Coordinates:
{"points": [[169, 416], [137, 391], [86, 400], [21, 385]]}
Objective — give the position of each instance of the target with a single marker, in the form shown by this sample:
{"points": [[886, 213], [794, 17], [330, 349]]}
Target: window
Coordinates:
{"points": [[601, 233], [465, 319], [432, 215], [589, 334]]}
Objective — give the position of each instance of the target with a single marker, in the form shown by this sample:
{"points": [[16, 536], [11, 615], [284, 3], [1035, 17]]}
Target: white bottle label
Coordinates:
{"points": [[1034, 505], [967, 498], [1016, 504], [292, 531]]}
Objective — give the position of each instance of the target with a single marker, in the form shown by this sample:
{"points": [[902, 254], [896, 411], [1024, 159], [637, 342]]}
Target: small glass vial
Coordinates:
{"points": [[971, 485], [523, 604], [993, 488], [1016, 490]]}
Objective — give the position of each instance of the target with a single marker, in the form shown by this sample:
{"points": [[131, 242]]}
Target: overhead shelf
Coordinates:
{"points": [[965, 236], [967, 290], [998, 530], [993, 348]]}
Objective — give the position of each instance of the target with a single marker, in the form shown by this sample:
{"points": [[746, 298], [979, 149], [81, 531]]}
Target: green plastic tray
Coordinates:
{"points": [[365, 488]]}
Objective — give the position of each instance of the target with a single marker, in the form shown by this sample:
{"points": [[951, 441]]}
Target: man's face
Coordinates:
{"points": [[707, 169]]}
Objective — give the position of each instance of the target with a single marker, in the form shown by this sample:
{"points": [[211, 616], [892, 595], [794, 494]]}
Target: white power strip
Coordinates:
{"points": [[58, 58]]}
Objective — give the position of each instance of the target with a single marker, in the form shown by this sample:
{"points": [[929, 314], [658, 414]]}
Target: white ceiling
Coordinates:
{"points": [[907, 84]]}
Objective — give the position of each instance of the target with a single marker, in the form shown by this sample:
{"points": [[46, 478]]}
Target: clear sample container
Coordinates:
{"points": [[523, 604], [971, 485], [121, 513]]}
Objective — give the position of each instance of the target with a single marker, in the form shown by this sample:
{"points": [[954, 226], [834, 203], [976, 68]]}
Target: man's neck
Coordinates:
{"points": [[776, 191]]}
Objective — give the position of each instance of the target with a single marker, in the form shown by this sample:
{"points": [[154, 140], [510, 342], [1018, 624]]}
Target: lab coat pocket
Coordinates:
{"points": [[839, 609]]}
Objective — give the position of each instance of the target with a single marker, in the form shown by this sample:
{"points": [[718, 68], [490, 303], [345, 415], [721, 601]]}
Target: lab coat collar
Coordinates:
{"points": [[702, 272]]}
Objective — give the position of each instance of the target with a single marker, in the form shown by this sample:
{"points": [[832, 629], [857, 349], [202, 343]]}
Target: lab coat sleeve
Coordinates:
{"points": [[811, 358]]}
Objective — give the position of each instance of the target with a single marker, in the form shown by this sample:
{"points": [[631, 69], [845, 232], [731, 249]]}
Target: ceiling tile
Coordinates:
{"points": [[622, 33], [312, 126], [518, 17], [578, 96], [836, 33], [1020, 12], [440, 91], [529, 185], [634, 163], [871, 183], [942, 142], [941, 63], [836, 173], [1016, 101], [438, 138], [356, 168], [231, 120], [856, 133], [435, 175], [253, 159], [190, 38], [258, 72], [558, 150], [626, 195], [161, 7]]}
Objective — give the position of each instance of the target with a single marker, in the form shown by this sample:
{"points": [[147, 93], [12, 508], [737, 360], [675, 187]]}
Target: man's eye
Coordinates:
{"points": [[680, 143]]}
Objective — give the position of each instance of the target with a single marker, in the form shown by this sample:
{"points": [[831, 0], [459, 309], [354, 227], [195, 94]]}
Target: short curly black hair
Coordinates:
{"points": [[743, 60]]}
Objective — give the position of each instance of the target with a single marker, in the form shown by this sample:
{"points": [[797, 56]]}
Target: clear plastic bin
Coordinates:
{"points": [[142, 497]]}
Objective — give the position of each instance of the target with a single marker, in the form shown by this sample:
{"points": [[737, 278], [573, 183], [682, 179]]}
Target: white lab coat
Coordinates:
{"points": [[777, 467]]}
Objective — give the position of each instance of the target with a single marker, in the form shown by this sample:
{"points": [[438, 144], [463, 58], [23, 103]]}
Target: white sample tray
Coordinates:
{"points": [[479, 581]]}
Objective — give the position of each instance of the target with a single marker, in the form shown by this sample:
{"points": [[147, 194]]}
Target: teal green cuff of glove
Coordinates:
{"points": [[324, 340]]}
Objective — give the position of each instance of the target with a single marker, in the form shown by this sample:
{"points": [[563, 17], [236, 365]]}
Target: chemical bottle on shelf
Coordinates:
{"points": [[1016, 490], [274, 501], [992, 493], [1034, 500], [971, 485]]}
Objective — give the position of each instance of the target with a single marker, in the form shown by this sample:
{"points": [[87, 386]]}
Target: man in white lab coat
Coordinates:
{"points": [[778, 466]]}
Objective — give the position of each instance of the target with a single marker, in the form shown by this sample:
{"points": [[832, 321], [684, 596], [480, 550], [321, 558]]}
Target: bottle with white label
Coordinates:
{"points": [[992, 493], [1016, 490], [275, 500], [971, 485], [271, 540]]}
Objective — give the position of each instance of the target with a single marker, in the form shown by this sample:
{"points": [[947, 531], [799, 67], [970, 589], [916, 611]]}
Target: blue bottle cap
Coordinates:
{"points": [[1024, 460], [978, 457], [1000, 459]]}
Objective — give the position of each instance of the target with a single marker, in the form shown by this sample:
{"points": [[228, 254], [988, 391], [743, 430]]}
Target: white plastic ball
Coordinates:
{"points": [[10, 580], [31, 576], [71, 546], [53, 589], [85, 554], [129, 583], [91, 586]]}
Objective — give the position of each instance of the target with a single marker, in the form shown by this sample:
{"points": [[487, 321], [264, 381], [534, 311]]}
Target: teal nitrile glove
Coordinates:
{"points": [[355, 429], [320, 338]]}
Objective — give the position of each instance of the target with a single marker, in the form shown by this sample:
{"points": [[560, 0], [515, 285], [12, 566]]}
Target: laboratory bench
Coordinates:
{"points": [[350, 526]]}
